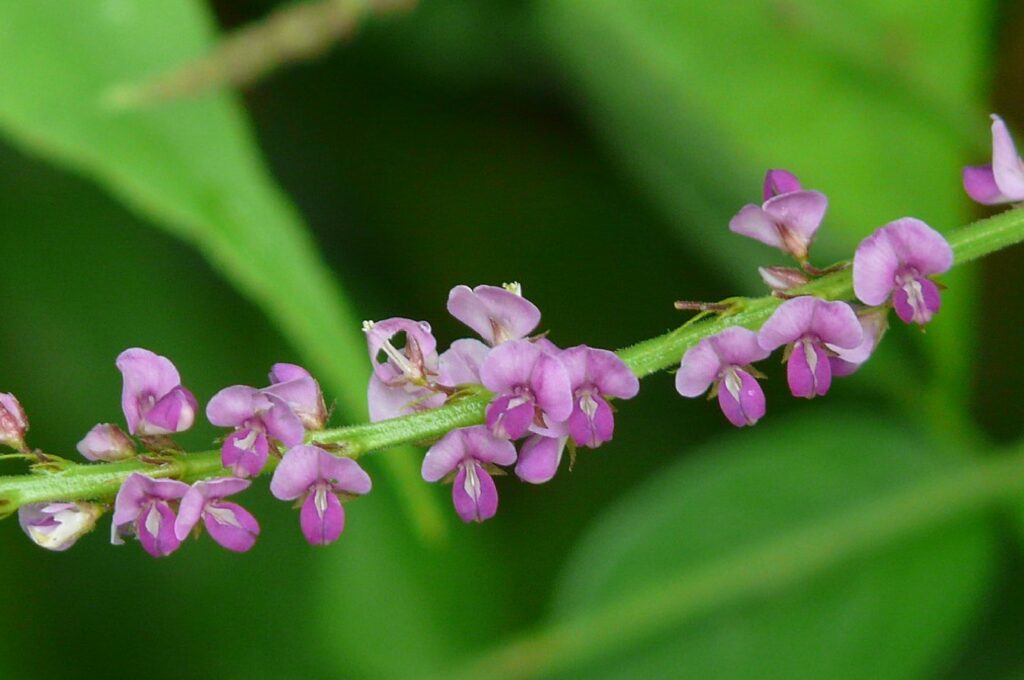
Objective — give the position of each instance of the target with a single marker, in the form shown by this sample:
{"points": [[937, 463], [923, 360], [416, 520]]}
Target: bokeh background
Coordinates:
{"points": [[593, 150]]}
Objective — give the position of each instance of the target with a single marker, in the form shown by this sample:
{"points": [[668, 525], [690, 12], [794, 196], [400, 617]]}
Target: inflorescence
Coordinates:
{"points": [[545, 399]]}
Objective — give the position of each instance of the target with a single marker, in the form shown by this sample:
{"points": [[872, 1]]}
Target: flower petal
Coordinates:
{"points": [[788, 323], [875, 265], [460, 364], [510, 417], [245, 452], [801, 212], [486, 448], [155, 530], [496, 314], [510, 365], [344, 474], [282, 423], [754, 222], [836, 323], [698, 369], [232, 406], [738, 346], [322, 518], [145, 375], [741, 398], [474, 494], [1007, 165], [231, 525], [980, 184], [551, 388], [919, 246], [298, 470], [174, 412], [591, 422], [780, 182], [282, 373], [539, 458]]}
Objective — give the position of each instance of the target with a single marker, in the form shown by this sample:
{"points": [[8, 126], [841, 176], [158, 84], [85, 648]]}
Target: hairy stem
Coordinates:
{"points": [[100, 481]]}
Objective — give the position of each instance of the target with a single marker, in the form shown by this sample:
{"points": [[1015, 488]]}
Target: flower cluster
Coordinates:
{"points": [[548, 397], [162, 512], [541, 399], [822, 339]]}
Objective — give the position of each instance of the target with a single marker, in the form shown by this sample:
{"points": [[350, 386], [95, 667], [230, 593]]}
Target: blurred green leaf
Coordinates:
{"points": [[193, 167], [873, 102], [890, 608]]}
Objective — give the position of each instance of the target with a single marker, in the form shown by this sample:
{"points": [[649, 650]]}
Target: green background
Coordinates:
{"points": [[593, 150]]}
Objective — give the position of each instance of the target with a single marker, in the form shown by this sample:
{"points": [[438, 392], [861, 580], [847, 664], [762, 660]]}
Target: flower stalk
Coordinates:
{"points": [[101, 481]]}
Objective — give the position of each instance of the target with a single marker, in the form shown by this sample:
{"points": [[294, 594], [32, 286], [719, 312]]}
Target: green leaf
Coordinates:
{"points": [[192, 167], [804, 553], [872, 102]]}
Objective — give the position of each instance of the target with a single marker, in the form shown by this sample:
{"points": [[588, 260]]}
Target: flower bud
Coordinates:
{"points": [[56, 526], [106, 442], [13, 422], [782, 279]]}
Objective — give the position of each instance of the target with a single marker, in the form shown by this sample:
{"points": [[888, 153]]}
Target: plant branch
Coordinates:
{"points": [[100, 481]]}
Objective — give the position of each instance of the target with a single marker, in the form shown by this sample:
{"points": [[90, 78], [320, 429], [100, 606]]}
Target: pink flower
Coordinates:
{"points": [[153, 399], [809, 326], [595, 375], [532, 389], [723, 361], [143, 509], [497, 314], [229, 524], [318, 478], [897, 260], [789, 217], [468, 452]]}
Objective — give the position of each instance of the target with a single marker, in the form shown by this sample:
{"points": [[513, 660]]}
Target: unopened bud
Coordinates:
{"points": [[13, 422], [106, 442], [782, 278], [56, 526]]}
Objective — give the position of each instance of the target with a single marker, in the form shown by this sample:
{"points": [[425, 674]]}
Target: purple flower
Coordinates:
{"points": [[874, 323], [897, 260], [13, 422], [723, 360], [300, 390], [402, 376], [257, 415], [1001, 181], [231, 525], [153, 400], [56, 526], [532, 388], [787, 220], [807, 324], [496, 314], [468, 452], [106, 442], [539, 457], [595, 375], [317, 477], [142, 508]]}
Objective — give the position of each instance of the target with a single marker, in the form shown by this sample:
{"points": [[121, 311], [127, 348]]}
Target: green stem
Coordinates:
{"points": [[770, 566], [101, 481]]}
